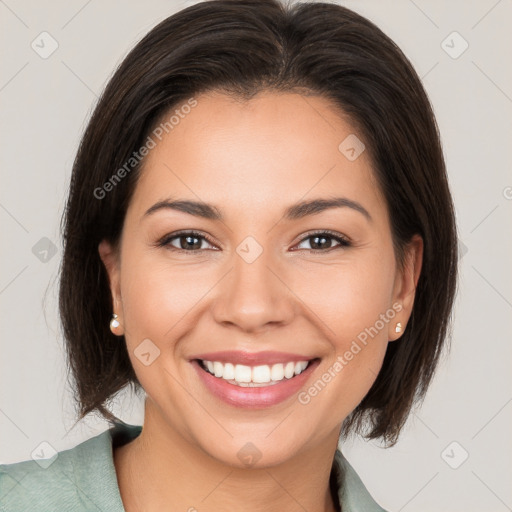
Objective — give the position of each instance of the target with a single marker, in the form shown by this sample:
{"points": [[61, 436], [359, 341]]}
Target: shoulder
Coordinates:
{"points": [[352, 493], [72, 479]]}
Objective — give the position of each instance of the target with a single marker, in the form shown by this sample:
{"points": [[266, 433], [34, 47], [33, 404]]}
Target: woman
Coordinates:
{"points": [[260, 236]]}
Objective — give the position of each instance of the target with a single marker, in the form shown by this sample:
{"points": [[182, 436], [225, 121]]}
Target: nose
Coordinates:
{"points": [[253, 296]]}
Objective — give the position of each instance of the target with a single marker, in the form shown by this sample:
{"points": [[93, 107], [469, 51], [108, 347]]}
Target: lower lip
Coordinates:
{"points": [[258, 397]]}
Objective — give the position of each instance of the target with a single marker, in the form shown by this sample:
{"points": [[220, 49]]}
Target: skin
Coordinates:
{"points": [[252, 160]]}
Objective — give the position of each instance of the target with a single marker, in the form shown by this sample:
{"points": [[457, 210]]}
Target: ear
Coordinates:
{"points": [[110, 257], [405, 285]]}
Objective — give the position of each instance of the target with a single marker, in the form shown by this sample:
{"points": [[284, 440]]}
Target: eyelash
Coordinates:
{"points": [[165, 241]]}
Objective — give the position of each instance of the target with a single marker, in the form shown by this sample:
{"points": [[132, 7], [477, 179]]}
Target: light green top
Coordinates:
{"points": [[83, 478]]}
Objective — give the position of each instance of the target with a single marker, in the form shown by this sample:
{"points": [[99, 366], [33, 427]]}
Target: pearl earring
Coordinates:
{"points": [[114, 323], [398, 327]]}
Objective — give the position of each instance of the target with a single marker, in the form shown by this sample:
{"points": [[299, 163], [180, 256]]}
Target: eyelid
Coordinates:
{"points": [[332, 234], [165, 240], [343, 240]]}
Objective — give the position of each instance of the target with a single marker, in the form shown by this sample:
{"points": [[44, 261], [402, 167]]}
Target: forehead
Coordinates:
{"points": [[271, 150]]}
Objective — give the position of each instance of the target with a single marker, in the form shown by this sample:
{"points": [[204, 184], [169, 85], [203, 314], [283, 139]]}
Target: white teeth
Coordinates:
{"points": [[299, 367], [277, 372], [242, 373], [289, 370], [218, 370], [229, 371], [255, 376], [261, 373]]}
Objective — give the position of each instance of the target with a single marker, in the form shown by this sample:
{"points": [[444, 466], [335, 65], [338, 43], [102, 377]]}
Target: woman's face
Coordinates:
{"points": [[248, 288]]}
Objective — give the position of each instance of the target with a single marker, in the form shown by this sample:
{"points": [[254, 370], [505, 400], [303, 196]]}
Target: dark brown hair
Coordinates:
{"points": [[242, 47]]}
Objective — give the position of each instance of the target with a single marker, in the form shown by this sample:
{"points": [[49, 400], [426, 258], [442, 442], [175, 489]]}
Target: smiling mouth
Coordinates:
{"points": [[255, 376]]}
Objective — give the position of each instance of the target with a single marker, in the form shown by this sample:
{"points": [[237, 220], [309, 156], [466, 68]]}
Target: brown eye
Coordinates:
{"points": [[321, 241], [188, 241]]}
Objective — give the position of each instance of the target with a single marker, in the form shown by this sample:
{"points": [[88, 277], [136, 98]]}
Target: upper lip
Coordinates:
{"points": [[252, 358]]}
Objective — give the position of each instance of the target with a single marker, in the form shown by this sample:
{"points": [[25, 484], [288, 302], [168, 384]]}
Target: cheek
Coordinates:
{"points": [[157, 296], [342, 301], [355, 313], [350, 297]]}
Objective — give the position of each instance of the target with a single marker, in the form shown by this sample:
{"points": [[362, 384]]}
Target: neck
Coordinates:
{"points": [[160, 467]]}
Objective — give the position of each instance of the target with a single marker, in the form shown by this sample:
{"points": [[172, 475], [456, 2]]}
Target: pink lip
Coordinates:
{"points": [[252, 358], [253, 398]]}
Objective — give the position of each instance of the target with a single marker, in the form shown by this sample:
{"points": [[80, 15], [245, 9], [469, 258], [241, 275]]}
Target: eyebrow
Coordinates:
{"points": [[293, 212]]}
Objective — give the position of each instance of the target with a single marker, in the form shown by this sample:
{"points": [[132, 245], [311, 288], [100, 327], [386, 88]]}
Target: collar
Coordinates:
{"points": [[352, 494]]}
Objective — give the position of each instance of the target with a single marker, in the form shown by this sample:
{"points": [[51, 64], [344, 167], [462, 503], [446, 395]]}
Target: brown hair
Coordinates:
{"points": [[242, 47]]}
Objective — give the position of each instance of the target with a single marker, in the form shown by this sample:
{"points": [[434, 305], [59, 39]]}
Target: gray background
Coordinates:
{"points": [[45, 103]]}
